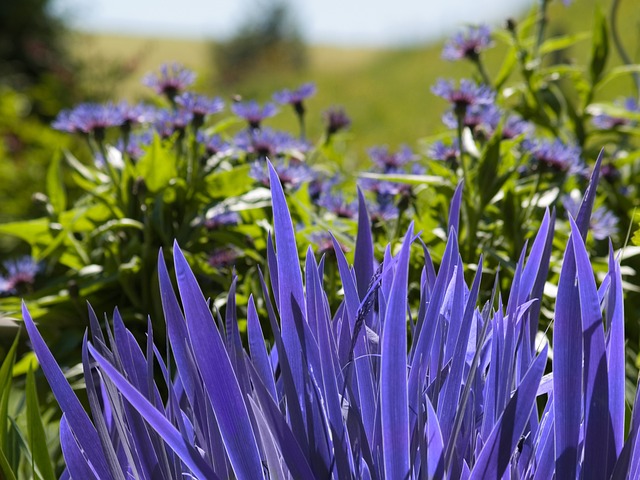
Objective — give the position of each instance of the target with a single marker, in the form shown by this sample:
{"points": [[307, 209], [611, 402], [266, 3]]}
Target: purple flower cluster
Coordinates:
{"points": [[214, 144], [224, 219], [199, 106], [89, 118], [445, 152], [338, 205], [468, 44]]}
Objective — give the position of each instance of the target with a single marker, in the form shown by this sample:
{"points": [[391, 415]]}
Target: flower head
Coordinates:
{"points": [[172, 79], [170, 121], [515, 126], [468, 44], [387, 160], [554, 155], [335, 120], [295, 97], [199, 106], [253, 113], [338, 205], [291, 174], [222, 257], [603, 223], [480, 119], [20, 273], [224, 219], [608, 122], [136, 144], [269, 143], [214, 144], [469, 93], [89, 118], [445, 152]]}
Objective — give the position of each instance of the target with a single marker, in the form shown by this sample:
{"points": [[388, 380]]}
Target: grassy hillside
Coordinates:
{"points": [[386, 92]]}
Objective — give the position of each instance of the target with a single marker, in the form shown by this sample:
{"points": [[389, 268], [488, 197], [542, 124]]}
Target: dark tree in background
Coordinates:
{"points": [[33, 56], [269, 39]]}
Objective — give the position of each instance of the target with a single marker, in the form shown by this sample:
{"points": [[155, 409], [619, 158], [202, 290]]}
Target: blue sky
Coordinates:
{"points": [[338, 22]]}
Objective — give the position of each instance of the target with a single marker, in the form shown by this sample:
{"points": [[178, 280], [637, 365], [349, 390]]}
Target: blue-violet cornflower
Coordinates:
{"points": [[253, 113], [214, 144], [172, 79], [445, 152], [269, 143], [224, 219], [335, 119], [603, 223], [20, 272], [295, 97], [168, 122], [338, 205], [468, 44], [554, 155], [291, 174], [468, 94], [387, 160], [199, 105], [608, 122], [89, 118]]}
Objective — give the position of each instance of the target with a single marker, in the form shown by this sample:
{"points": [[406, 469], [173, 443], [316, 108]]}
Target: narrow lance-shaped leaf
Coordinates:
{"points": [[596, 382], [78, 420], [218, 375], [394, 408]]}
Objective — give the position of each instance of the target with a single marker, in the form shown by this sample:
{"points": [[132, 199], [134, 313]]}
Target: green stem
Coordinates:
{"points": [[620, 47], [542, 25]]}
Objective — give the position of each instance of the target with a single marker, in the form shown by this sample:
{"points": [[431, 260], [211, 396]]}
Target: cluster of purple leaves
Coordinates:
{"points": [[375, 389]]}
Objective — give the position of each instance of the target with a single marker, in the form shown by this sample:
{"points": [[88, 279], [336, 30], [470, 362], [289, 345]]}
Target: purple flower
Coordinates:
{"points": [[168, 122], [291, 174], [336, 204], [515, 126], [608, 122], [468, 94], [387, 160], [136, 114], [480, 118], [222, 257], [269, 143], [382, 211], [554, 155], [20, 273], [335, 120], [224, 219], [214, 144], [199, 105], [171, 80], [295, 97], [445, 152], [468, 44], [136, 144], [89, 118], [603, 223], [253, 113], [323, 243]]}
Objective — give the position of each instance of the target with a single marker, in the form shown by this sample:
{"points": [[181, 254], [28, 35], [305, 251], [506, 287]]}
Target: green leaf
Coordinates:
{"points": [[5, 467], [229, 183], [618, 72], [487, 170], [561, 42], [6, 375], [599, 46], [27, 230], [55, 185], [157, 166], [37, 436], [510, 61]]}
